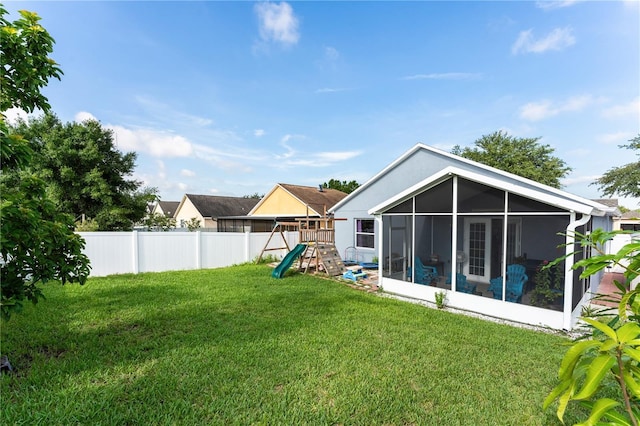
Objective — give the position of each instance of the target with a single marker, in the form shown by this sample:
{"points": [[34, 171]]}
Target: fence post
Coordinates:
{"points": [[136, 254], [198, 250], [247, 246]]}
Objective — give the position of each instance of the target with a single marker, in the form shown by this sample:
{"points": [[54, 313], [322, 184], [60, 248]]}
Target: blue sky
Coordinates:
{"points": [[230, 98]]}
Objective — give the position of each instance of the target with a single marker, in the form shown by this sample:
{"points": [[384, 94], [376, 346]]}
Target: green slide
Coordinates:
{"points": [[288, 260]]}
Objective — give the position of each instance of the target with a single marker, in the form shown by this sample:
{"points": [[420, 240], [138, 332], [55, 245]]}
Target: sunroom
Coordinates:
{"points": [[483, 242]]}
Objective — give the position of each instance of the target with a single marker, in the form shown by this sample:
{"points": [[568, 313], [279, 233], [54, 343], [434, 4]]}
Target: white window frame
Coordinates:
{"points": [[356, 233]]}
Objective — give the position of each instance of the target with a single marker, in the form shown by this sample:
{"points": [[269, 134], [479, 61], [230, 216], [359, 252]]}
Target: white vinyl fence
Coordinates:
{"points": [[134, 252]]}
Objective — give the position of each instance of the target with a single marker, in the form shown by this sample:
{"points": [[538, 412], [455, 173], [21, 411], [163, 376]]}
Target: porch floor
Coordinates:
{"points": [[607, 287]]}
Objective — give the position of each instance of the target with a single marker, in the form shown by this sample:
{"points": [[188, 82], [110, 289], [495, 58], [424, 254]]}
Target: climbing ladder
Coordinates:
{"points": [[328, 255]]}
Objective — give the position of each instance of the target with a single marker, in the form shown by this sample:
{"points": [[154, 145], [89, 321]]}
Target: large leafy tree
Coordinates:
{"points": [[85, 173], [524, 157], [342, 185], [624, 180], [37, 242]]}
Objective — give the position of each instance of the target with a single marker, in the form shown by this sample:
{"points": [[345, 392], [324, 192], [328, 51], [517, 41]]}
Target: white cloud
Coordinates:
{"points": [[182, 186], [444, 76], [258, 133], [277, 23], [331, 90], [558, 39], [623, 110], [617, 138], [579, 180], [162, 170], [555, 4], [165, 112], [331, 53], [536, 111], [153, 142], [187, 173], [323, 159], [13, 115], [83, 116]]}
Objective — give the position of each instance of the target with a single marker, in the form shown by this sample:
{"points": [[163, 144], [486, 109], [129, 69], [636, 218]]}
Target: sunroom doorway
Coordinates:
{"points": [[483, 240]]}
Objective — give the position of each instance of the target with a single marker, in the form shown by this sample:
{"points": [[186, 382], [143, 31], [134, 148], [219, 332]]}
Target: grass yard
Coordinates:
{"points": [[235, 346]]}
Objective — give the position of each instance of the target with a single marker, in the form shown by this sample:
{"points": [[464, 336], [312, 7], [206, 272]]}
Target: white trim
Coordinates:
{"points": [[485, 180], [601, 209], [510, 311], [355, 233]]}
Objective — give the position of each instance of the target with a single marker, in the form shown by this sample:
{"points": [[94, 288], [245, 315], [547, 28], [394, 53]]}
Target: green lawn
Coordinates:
{"points": [[235, 346]]}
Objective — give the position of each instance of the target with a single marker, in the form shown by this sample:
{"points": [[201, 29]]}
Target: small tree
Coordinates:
{"points": [[524, 157], [609, 357], [624, 180], [193, 224], [37, 242], [344, 186], [85, 173], [159, 222]]}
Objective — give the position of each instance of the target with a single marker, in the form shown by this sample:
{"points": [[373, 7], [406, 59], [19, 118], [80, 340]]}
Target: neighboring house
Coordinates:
{"points": [[207, 209], [285, 202], [628, 221], [297, 201], [166, 208], [432, 208]]}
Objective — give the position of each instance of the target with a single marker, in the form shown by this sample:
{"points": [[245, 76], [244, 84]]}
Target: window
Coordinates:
{"points": [[365, 236]]}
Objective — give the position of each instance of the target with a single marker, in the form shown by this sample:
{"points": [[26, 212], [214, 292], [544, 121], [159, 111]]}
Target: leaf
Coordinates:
{"points": [[555, 393], [598, 410], [628, 332], [572, 357], [596, 372], [632, 352], [602, 327], [632, 385]]}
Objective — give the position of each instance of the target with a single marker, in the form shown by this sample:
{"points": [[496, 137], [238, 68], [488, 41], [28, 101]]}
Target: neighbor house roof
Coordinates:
{"points": [[168, 207], [485, 171], [214, 206], [315, 197]]}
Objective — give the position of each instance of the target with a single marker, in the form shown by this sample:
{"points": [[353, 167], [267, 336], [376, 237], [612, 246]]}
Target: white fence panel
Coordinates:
{"points": [[167, 251], [133, 252], [109, 252], [222, 249]]}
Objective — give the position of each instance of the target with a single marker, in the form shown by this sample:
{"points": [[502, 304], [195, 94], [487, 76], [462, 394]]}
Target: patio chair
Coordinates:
{"points": [[424, 274], [516, 279], [463, 285]]}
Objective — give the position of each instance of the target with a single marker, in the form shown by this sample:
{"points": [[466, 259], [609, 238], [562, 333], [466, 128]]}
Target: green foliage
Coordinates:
{"points": [[623, 180], [254, 195], [609, 357], [345, 186], [521, 156], [441, 299], [25, 65], [87, 225], [193, 224], [159, 222], [548, 284], [85, 173], [37, 242]]}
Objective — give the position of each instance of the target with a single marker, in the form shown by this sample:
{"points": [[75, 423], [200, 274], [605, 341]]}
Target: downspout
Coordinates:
{"points": [[380, 235], [568, 264]]}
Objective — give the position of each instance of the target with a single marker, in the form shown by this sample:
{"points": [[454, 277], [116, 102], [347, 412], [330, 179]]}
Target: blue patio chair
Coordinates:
{"points": [[516, 279], [424, 274], [463, 285]]}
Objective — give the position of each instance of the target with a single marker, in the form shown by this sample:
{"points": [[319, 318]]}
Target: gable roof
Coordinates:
{"points": [[447, 172], [486, 172], [168, 207], [214, 206], [311, 196]]}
